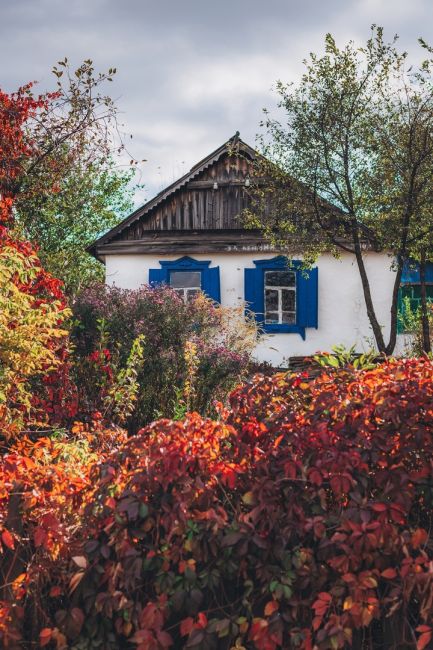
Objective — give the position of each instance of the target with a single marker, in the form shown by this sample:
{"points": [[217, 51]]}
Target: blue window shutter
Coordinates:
{"points": [[307, 297], [254, 292], [156, 276], [410, 274], [211, 283]]}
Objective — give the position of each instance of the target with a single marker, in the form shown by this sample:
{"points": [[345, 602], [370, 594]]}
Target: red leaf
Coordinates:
{"points": [[186, 626], [55, 591], [164, 639], [7, 539], [315, 477], [271, 607], [419, 537], [40, 536], [379, 507], [424, 640], [45, 636]]}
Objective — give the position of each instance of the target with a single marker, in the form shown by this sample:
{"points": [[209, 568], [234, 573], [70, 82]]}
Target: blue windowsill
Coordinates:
{"points": [[281, 328]]}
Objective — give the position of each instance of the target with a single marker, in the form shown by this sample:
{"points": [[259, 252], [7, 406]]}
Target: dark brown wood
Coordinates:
{"points": [[167, 242], [210, 197], [192, 202], [208, 184]]}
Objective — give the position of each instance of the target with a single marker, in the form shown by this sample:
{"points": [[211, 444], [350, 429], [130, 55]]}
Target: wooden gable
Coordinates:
{"points": [[199, 212]]}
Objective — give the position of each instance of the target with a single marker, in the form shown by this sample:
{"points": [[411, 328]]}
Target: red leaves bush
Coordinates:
{"points": [[302, 519]]}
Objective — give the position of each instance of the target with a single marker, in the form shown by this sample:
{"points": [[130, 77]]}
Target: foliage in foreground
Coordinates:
{"points": [[302, 519]]}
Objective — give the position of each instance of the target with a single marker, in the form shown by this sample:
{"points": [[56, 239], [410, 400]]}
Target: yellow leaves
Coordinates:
{"points": [[248, 498], [30, 333], [367, 615], [238, 645], [348, 603]]}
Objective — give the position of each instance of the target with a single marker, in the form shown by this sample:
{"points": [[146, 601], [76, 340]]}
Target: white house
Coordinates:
{"points": [[190, 237]]}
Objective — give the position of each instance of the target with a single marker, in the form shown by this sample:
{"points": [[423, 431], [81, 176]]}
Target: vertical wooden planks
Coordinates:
{"points": [[201, 207]]}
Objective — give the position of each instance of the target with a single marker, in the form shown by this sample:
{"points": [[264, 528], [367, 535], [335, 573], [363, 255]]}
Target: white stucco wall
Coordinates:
{"points": [[342, 315]]}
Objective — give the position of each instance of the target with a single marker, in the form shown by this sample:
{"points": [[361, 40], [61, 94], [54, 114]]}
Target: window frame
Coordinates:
{"points": [[185, 290], [210, 277], [279, 289], [306, 296]]}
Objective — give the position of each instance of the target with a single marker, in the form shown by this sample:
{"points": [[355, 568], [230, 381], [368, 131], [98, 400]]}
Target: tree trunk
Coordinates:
{"points": [[426, 344], [394, 309], [377, 330]]}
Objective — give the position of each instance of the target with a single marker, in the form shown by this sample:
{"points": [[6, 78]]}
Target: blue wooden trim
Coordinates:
{"points": [[251, 282], [185, 263], [306, 295], [211, 283], [210, 277], [157, 276]]}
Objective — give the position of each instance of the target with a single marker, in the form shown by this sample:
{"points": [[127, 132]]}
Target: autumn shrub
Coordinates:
{"points": [[43, 484], [32, 336], [192, 353], [302, 519]]}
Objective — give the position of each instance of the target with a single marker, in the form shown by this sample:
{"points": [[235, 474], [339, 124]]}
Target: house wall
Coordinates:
{"points": [[342, 315]]}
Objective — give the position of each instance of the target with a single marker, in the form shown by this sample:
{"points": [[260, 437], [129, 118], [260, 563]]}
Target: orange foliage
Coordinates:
{"points": [[219, 534]]}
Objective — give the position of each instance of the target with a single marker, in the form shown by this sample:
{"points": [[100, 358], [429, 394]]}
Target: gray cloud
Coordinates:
{"points": [[191, 72]]}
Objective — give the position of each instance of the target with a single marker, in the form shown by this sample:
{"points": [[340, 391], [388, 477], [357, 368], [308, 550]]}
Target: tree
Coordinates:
{"points": [[59, 172], [77, 122], [349, 168], [88, 201]]}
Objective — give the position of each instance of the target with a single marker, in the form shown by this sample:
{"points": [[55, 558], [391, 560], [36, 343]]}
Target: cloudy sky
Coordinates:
{"points": [[190, 72]]}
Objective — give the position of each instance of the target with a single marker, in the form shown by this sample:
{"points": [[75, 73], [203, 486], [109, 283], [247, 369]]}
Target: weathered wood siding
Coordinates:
{"points": [[198, 206]]}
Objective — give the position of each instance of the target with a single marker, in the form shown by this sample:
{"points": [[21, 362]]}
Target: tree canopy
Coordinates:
{"points": [[348, 165], [88, 201]]}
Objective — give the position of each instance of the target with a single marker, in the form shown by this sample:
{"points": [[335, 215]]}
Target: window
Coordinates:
{"points": [[188, 276], [186, 284], [282, 295]]}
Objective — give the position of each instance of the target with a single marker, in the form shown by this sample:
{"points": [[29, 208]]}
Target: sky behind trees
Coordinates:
{"points": [[190, 72]]}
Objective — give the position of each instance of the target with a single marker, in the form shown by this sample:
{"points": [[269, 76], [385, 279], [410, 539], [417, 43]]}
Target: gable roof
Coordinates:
{"points": [[233, 144]]}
